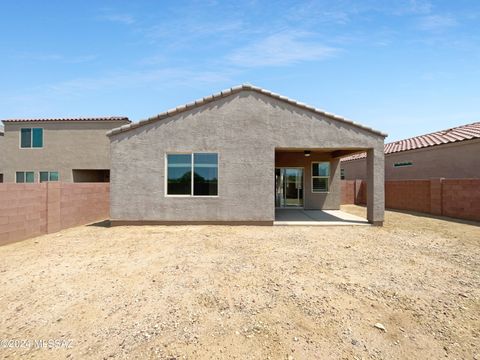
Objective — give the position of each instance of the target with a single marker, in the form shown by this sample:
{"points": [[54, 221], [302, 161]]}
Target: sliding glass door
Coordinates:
{"points": [[288, 187]]}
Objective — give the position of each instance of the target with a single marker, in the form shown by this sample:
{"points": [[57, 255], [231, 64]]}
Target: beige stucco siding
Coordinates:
{"points": [[67, 145], [244, 129]]}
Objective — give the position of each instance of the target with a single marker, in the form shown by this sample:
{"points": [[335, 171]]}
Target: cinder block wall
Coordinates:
{"points": [[23, 211], [28, 210], [408, 195], [461, 198], [457, 198], [83, 203], [347, 190]]}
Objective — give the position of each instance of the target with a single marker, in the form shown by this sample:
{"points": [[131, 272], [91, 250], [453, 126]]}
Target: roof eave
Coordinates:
{"points": [[99, 119], [234, 90]]}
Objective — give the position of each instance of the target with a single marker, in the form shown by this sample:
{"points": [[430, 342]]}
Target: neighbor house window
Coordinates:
{"points": [[402, 164], [320, 176], [342, 174], [25, 177], [31, 138], [193, 174], [48, 176]]}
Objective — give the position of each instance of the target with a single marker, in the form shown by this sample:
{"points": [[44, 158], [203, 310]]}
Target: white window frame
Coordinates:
{"points": [[320, 177], [31, 138], [402, 164], [25, 177], [192, 166], [49, 175]]}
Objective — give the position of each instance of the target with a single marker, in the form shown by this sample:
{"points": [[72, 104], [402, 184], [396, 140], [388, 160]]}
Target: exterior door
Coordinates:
{"points": [[288, 187]]}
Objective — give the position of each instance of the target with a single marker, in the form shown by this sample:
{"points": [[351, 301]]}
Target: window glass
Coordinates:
{"points": [[26, 138], [179, 172], [43, 176], [20, 177], [321, 169], [404, 163], [29, 177], [320, 176], [205, 178], [37, 138], [54, 176], [320, 184]]}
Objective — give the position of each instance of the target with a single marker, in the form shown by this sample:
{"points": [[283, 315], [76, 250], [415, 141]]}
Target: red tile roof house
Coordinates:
{"points": [[235, 157], [452, 153]]}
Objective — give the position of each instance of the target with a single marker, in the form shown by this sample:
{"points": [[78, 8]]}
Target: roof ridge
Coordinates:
{"points": [[231, 91], [444, 131]]}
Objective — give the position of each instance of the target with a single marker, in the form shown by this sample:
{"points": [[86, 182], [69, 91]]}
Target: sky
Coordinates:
{"points": [[405, 67]]}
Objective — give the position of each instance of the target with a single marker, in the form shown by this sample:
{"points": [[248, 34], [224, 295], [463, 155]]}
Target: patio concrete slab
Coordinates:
{"points": [[316, 217]]}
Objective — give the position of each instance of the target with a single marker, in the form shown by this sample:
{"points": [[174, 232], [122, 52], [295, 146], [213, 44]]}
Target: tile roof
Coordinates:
{"points": [[231, 91], [456, 134], [106, 118]]}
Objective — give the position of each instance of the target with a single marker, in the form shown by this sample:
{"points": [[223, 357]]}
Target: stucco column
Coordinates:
{"points": [[335, 183], [375, 185]]}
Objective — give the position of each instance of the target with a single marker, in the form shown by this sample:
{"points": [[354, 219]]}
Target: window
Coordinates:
{"points": [[320, 176], [31, 138], [342, 174], [402, 164], [205, 170], [192, 174], [91, 175], [25, 177], [48, 176]]}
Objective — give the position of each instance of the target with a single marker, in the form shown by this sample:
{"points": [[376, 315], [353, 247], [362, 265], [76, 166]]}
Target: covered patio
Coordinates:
{"points": [[308, 186], [316, 217]]}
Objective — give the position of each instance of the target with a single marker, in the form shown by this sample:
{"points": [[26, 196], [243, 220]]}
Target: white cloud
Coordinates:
{"points": [[190, 30], [436, 22], [413, 7], [135, 79], [54, 57], [46, 100], [280, 49], [118, 18]]}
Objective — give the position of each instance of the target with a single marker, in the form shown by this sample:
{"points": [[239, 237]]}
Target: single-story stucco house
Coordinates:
{"points": [[234, 157]]}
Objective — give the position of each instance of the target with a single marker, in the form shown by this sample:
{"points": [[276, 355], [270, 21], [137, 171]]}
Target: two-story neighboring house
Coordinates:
{"points": [[69, 150]]}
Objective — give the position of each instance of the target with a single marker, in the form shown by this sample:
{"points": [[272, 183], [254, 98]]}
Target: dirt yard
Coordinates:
{"points": [[215, 292]]}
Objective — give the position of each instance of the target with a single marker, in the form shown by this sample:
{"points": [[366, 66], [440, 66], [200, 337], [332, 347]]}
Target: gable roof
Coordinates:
{"points": [[456, 134], [229, 92], [106, 118]]}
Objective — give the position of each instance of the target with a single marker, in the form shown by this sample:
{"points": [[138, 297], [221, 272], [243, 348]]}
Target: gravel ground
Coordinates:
{"points": [[241, 292]]}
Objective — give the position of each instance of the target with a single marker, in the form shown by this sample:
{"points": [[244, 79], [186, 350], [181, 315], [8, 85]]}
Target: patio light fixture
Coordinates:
{"points": [[307, 153]]}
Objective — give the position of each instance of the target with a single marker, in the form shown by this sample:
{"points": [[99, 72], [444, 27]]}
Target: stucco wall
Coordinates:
{"points": [[67, 145], [355, 169], [244, 128], [451, 161]]}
